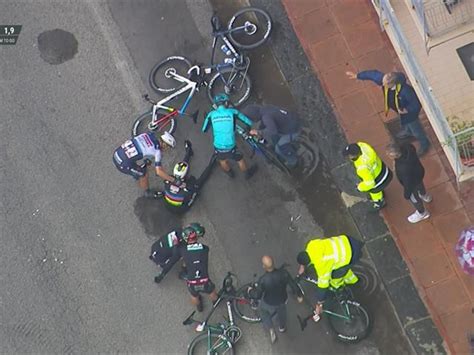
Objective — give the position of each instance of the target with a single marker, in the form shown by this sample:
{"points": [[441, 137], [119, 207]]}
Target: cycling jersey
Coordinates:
{"points": [[196, 258], [223, 126], [142, 146], [165, 251], [179, 199]]}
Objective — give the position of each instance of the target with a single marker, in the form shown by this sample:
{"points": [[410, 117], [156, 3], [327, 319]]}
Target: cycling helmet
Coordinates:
{"points": [[220, 99], [168, 138], [198, 228], [189, 235], [303, 258], [180, 170]]}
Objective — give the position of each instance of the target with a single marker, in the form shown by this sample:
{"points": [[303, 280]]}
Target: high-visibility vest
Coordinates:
{"points": [[398, 87], [368, 167], [327, 255]]}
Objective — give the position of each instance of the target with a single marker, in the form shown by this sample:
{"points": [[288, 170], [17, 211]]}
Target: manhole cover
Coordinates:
{"points": [[57, 46]]}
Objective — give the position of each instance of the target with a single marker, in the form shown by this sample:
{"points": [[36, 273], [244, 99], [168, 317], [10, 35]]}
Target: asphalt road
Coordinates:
{"points": [[75, 271]]}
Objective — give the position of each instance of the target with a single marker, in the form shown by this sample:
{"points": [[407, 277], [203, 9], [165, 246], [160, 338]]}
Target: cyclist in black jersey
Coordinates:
{"points": [[180, 194], [165, 251], [196, 257]]}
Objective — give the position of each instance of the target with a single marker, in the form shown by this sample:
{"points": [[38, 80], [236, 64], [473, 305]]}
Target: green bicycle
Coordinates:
{"points": [[349, 321]]}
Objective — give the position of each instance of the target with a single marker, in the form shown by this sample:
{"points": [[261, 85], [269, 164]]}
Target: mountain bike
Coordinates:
{"points": [[220, 338], [249, 28], [348, 320]]}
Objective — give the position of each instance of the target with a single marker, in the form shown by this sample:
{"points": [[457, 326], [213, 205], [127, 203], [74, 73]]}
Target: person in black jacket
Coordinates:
{"points": [[410, 173], [271, 290]]}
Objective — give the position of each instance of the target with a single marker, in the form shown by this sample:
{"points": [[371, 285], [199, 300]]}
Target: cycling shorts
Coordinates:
{"points": [[233, 154], [124, 165], [201, 286]]}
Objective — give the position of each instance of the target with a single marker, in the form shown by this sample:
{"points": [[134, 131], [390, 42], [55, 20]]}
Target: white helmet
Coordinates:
{"points": [[168, 138], [180, 170]]}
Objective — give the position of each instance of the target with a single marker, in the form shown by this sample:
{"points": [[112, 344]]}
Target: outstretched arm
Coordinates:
{"points": [[375, 76]]}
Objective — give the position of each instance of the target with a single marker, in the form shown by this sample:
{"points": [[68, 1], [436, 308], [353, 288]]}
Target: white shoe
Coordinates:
{"points": [[417, 216], [273, 336], [426, 197]]}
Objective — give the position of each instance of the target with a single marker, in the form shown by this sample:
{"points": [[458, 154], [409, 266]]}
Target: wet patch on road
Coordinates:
{"points": [[57, 46], [154, 217]]}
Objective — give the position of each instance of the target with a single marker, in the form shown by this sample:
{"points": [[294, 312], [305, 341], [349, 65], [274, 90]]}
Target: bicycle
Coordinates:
{"points": [[243, 31], [348, 320], [220, 338]]}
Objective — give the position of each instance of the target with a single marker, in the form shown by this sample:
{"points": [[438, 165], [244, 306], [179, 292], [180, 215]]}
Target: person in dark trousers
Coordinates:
{"points": [[401, 98], [180, 194], [271, 290], [410, 173], [279, 127]]}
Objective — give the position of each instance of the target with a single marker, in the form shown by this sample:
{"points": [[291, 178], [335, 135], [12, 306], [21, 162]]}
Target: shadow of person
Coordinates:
{"points": [[155, 217]]}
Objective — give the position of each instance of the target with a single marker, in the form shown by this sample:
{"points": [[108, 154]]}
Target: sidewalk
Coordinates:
{"points": [[344, 35]]}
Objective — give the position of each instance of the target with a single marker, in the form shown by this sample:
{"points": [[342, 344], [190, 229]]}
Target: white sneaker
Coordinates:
{"points": [[273, 336], [417, 216], [426, 198]]}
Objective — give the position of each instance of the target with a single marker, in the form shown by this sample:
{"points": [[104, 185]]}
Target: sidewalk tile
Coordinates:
{"points": [[434, 171], [447, 296], [385, 254], [337, 83], [298, 8], [363, 38], [450, 225], [354, 107], [375, 95], [433, 268], [425, 337], [315, 26], [398, 209], [330, 52], [379, 59], [421, 240], [462, 347], [371, 131], [445, 199], [458, 323], [349, 13]]}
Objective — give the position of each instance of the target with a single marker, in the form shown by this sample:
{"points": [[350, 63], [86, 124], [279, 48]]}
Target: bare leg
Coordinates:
{"points": [[143, 182], [242, 165], [225, 165], [195, 300], [213, 296]]}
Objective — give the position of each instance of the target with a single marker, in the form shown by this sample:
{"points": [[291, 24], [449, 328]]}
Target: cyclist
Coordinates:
{"points": [[165, 251], [180, 194], [328, 261], [223, 120], [127, 157], [195, 270], [279, 127]]}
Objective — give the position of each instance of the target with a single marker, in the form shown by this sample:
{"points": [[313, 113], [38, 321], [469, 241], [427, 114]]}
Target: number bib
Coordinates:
{"points": [[129, 149]]}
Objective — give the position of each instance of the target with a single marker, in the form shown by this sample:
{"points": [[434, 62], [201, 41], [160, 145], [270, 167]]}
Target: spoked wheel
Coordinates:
{"points": [[245, 307], [217, 344], [308, 157], [353, 329], [273, 158], [143, 124], [160, 78], [250, 27], [232, 82]]}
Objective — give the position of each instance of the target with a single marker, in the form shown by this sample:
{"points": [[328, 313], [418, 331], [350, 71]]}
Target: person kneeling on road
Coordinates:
{"points": [[180, 194], [271, 290], [165, 251], [195, 269], [329, 261], [280, 128], [223, 121], [127, 157]]}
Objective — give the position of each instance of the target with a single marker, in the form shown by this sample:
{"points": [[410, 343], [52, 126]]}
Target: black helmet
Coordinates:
{"points": [[303, 258]]}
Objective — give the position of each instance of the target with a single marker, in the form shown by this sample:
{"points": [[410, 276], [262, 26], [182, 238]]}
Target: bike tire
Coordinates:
{"points": [[344, 330], [168, 85], [200, 342], [216, 86], [141, 125], [242, 306], [272, 157], [263, 18]]}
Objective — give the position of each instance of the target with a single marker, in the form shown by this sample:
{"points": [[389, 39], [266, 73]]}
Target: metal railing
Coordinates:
{"points": [[464, 143], [390, 24], [442, 18]]}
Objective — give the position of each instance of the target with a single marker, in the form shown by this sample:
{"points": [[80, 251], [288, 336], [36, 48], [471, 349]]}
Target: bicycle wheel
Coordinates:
{"points": [[272, 157], [350, 330], [246, 308], [218, 344], [232, 82], [142, 124], [258, 25], [308, 157], [160, 79]]}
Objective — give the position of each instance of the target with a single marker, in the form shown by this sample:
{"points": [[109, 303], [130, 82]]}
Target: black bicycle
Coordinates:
{"points": [[249, 28], [349, 321]]}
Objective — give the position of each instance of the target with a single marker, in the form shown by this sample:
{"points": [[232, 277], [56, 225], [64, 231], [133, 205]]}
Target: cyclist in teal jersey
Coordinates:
{"points": [[223, 120]]}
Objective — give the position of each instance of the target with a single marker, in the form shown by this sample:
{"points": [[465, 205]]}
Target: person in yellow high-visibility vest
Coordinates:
{"points": [[329, 261], [372, 171]]}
